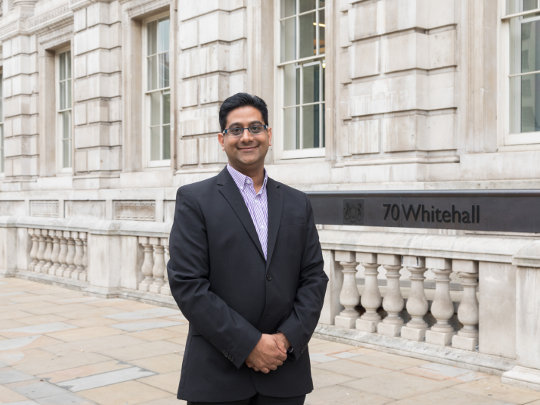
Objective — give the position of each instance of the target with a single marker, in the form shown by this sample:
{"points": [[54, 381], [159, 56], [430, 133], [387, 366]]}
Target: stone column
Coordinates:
{"points": [[33, 251], [417, 305], [371, 296], [393, 301], [55, 252], [442, 307], [349, 296], [527, 370], [48, 252], [165, 288]]}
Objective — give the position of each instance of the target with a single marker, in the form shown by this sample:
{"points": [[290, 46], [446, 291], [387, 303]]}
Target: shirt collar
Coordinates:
{"points": [[242, 180]]}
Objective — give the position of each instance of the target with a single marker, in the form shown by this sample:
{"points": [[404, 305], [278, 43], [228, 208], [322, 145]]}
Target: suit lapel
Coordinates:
{"points": [[229, 190], [275, 202]]}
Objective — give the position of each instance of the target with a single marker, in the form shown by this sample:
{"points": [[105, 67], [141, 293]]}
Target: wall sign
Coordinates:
{"points": [[505, 211]]}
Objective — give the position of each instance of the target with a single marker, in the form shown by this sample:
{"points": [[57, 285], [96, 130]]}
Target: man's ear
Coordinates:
{"points": [[269, 130], [221, 140]]}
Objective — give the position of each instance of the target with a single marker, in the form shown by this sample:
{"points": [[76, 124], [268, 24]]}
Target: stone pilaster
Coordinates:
{"points": [[20, 87], [527, 370], [212, 42], [97, 93]]}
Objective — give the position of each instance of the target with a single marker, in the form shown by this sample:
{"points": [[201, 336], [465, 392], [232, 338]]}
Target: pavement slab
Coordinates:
{"points": [[62, 347]]}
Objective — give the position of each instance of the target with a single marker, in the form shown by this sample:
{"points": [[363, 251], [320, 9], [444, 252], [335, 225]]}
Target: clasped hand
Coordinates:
{"points": [[269, 353]]}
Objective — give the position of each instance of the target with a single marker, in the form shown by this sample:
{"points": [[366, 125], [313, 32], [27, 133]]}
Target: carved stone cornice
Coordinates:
{"points": [[51, 20]]}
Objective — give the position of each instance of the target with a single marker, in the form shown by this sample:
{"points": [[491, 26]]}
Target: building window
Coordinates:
{"points": [[524, 16], [303, 65], [64, 105], [158, 92], [2, 157]]}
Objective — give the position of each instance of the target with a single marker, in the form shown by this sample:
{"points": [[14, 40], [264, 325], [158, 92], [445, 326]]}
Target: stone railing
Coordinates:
{"points": [[60, 253], [392, 298], [154, 265], [467, 298]]}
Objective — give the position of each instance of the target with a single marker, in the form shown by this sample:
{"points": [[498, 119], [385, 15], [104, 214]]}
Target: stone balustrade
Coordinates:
{"points": [[451, 297], [60, 253], [390, 298], [154, 266]]}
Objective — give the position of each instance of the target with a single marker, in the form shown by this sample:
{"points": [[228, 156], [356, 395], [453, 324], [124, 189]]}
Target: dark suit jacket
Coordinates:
{"points": [[230, 294]]}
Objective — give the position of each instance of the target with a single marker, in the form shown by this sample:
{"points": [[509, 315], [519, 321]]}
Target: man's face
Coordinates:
{"points": [[246, 152]]}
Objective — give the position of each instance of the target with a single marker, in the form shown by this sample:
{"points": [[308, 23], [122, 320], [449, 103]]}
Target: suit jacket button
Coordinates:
{"points": [[268, 277]]}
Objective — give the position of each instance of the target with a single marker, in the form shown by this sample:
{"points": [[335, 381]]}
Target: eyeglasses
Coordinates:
{"points": [[254, 129]]}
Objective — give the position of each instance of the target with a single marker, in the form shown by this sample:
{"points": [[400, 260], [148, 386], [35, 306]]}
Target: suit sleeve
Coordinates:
{"points": [[188, 270], [301, 322]]}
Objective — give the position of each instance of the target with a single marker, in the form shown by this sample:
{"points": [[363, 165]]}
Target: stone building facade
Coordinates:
{"points": [[107, 106]]}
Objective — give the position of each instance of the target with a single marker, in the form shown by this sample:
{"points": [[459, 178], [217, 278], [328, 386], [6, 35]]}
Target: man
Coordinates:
{"points": [[247, 272]]}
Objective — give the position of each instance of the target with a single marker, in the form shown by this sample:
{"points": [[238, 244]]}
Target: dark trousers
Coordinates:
{"points": [[258, 400]]}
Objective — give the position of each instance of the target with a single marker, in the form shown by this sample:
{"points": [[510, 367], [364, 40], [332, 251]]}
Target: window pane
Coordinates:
{"points": [[166, 108], [307, 35], [68, 64], [62, 93], [163, 70], [166, 142], [321, 32], [288, 39], [155, 113], [529, 5], [288, 7], [321, 3], [516, 6], [291, 85], [152, 38], [154, 143], [311, 84], [530, 103], [322, 126], [152, 73], [291, 127], [306, 5], [310, 130], [323, 63], [66, 139], [530, 46], [62, 66], [68, 93], [163, 36]]}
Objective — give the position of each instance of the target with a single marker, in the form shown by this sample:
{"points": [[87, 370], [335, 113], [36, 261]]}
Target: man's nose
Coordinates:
{"points": [[246, 134]]}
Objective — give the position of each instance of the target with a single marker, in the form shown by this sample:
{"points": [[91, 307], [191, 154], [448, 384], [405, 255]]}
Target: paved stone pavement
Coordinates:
{"points": [[60, 347]]}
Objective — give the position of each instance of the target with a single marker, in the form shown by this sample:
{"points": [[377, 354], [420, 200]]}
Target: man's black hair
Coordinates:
{"points": [[241, 100]]}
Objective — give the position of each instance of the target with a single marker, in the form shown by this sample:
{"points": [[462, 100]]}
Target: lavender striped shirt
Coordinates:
{"points": [[257, 203]]}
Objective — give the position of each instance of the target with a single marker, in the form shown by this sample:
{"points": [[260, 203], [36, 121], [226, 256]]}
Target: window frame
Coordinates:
{"points": [[58, 113], [146, 98], [509, 137], [279, 141]]}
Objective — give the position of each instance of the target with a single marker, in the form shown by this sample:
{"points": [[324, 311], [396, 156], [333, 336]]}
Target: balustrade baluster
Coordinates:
{"points": [[417, 305], [63, 253], [83, 275], [70, 266], [148, 263], [468, 312], [41, 233], [371, 296], [55, 252], [442, 307], [48, 252], [349, 296], [165, 288], [34, 249], [159, 266], [393, 301], [77, 260]]}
